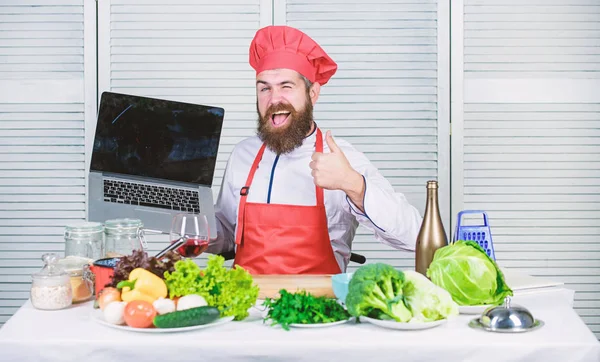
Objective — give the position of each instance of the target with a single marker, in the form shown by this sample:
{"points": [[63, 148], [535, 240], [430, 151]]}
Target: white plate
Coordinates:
{"points": [[319, 325], [473, 309], [403, 326], [98, 317]]}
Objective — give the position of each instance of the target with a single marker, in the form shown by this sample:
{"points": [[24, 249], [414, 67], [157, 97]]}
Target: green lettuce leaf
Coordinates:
{"points": [[426, 301], [468, 274], [184, 279], [232, 291]]}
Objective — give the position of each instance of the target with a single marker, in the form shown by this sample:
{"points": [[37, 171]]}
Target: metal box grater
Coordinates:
{"points": [[481, 234]]}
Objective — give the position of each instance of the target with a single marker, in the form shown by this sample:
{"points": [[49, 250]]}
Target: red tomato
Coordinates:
{"points": [[139, 314]]}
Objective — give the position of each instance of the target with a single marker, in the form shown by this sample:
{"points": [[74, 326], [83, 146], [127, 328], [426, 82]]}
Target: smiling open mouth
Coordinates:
{"points": [[280, 118]]}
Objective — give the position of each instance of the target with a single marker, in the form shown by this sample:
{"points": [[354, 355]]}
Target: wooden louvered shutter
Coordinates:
{"points": [[42, 135], [526, 135]]}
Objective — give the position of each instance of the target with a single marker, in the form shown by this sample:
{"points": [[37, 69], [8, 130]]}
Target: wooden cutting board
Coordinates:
{"points": [[518, 281], [318, 285]]}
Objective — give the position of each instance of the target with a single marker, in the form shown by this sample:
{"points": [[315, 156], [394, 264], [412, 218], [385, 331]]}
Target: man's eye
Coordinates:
{"points": [[264, 89], [287, 86]]}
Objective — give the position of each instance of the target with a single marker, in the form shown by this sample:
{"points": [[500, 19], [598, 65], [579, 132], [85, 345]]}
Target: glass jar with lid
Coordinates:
{"points": [[123, 236], [51, 286], [85, 240], [76, 267]]}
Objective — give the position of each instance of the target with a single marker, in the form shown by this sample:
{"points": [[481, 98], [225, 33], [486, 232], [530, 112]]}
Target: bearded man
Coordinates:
{"points": [[292, 198]]}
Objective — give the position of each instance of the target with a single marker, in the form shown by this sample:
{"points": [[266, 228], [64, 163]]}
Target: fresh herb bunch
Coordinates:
{"points": [[303, 308]]}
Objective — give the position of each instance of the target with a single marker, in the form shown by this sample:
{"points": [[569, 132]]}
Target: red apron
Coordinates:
{"points": [[283, 239]]}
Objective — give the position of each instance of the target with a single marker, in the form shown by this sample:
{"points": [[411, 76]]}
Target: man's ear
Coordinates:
{"points": [[314, 91]]}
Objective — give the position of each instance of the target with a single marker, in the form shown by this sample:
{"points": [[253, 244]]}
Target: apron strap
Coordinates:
{"points": [[244, 191], [319, 148], [244, 195]]}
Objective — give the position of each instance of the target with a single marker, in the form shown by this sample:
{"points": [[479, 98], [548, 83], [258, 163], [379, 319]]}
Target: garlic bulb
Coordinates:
{"points": [[164, 305]]}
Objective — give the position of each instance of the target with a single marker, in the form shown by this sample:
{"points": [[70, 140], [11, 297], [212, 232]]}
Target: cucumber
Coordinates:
{"points": [[187, 318]]}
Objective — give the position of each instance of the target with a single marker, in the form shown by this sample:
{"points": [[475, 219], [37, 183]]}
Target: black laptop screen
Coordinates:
{"points": [[157, 138]]}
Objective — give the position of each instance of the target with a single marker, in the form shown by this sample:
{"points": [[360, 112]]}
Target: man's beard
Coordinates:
{"points": [[289, 137]]}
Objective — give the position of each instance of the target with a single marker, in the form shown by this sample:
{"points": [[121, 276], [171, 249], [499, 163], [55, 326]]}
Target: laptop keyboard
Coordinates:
{"points": [[149, 195]]}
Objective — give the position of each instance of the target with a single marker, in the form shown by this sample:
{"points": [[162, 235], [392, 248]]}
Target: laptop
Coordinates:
{"points": [[152, 159]]}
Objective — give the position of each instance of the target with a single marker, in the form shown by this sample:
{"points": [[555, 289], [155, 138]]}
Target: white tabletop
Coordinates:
{"points": [[71, 335]]}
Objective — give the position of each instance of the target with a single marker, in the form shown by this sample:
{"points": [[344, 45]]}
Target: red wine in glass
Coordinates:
{"points": [[190, 231], [192, 247]]}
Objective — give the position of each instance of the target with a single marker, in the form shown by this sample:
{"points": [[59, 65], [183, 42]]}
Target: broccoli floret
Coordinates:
{"points": [[363, 297], [377, 287], [389, 280]]}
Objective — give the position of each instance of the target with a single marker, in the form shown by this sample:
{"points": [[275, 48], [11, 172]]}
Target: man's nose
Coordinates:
{"points": [[276, 97]]}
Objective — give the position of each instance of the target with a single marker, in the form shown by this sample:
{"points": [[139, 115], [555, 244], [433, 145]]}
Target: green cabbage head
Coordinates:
{"points": [[468, 274]]}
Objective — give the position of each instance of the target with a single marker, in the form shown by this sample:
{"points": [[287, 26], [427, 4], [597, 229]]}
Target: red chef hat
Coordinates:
{"points": [[277, 46]]}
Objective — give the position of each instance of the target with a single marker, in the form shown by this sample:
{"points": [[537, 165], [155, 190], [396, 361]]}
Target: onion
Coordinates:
{"points": [[190, 301], [108, 295]]}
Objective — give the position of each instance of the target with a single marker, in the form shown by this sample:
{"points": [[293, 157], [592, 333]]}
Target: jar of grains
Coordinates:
{"points": [[51, 286]]}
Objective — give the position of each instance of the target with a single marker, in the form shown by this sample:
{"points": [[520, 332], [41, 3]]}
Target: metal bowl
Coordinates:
{"points": [[506, 318]]}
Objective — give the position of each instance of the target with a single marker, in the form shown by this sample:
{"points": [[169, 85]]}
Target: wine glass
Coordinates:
{"points": [[192, 232]]}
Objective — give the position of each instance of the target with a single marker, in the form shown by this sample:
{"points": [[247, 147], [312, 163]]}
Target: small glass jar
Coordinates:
{"points": [[75, 267], [85, 240], [123, 236], [51, 286]]}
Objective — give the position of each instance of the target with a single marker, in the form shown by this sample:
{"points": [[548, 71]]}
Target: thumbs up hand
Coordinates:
{"points": [[332, 171]]}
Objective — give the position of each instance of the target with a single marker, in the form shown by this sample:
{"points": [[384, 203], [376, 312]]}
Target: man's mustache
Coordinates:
{"points": [[274, 108]]}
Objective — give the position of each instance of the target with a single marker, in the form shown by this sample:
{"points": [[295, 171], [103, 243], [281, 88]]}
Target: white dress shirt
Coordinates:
{"points": [[287, 179]]}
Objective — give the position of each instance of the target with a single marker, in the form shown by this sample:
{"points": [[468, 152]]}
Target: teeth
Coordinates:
{"points": [[282, 112]]}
